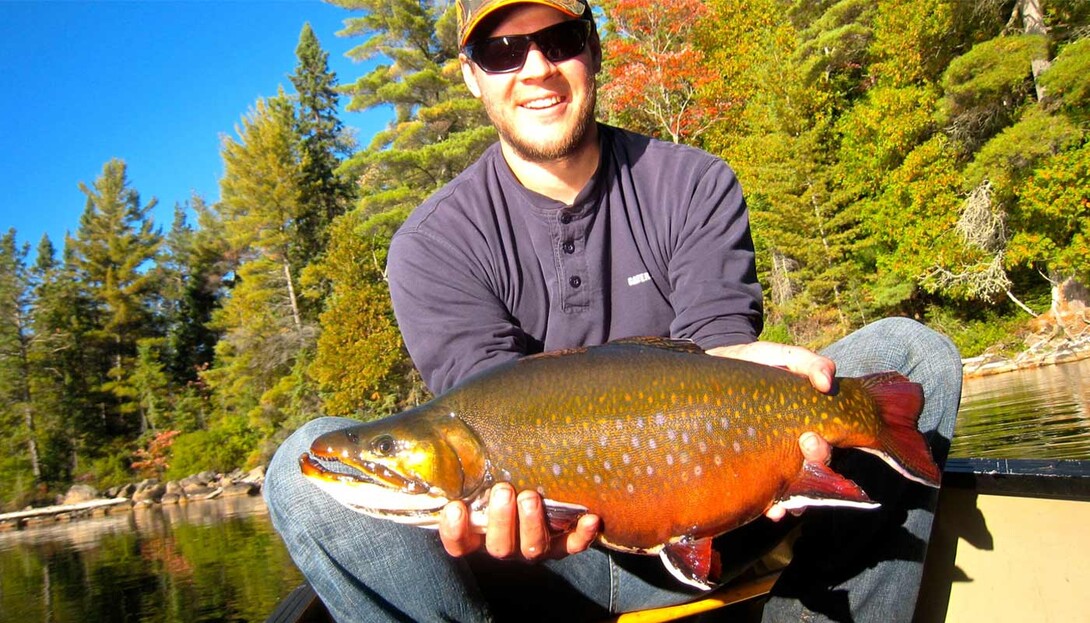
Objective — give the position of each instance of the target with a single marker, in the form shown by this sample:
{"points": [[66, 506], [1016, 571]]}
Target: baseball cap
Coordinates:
{"points": [[471, 12]]}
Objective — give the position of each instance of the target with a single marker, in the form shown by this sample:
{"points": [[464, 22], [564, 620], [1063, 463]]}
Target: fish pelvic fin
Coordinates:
{"points": [[900, 443], [692, 562], [562, 516], [817, 485]]}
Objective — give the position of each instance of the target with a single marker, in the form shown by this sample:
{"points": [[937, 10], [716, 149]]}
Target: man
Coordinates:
{"points": [[566, 233]]}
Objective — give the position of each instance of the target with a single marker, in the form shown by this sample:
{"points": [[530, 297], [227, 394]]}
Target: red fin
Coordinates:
{"points": [[900, 402], [693, 562], [563, 517], [817, 485]]}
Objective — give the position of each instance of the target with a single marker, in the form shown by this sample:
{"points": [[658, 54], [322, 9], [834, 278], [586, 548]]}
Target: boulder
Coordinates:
{"points": [[80, 493]]}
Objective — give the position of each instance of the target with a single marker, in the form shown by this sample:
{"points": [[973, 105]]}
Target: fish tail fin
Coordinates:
{"points": [[900, 443]]}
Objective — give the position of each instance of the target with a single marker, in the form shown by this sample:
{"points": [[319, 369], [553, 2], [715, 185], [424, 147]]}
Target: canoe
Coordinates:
{"points": [[1007, 545]]}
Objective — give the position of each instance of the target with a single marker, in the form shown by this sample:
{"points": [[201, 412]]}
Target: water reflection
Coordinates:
{"points": [[1042, 413], [206, 561]]}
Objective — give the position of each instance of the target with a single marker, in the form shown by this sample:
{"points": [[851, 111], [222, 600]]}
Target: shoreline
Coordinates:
{"points": [[1044, 354]]}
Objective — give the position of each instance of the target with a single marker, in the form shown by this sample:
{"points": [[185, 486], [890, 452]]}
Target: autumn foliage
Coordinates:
{"points": [[656, 79]]}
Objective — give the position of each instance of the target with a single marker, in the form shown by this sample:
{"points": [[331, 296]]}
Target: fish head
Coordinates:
{"points": [[405, 467]]}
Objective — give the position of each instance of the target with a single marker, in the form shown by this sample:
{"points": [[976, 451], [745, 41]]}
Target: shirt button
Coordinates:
{"points": [[565, 218], [575, 282], [569, 247]]}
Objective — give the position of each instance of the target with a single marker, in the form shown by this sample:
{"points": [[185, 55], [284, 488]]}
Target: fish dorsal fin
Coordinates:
{"points": [[665, 343], [817, 485], [646, 341], [692, 561]]}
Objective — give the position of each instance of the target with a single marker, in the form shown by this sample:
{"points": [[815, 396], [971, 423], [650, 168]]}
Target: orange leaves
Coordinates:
{"points": [[655, 74]]}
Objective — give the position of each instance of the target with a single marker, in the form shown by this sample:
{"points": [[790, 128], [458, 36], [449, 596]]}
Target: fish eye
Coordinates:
{"points": [[383, 445]]}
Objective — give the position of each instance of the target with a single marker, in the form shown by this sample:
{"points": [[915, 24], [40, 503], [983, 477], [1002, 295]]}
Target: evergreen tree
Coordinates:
{"points": [[437, 131], [323, 194], [264, 334], [17, 410], [115, 250]]}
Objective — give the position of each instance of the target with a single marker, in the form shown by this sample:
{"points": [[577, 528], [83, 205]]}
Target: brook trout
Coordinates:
{"points": [[669, 446]]}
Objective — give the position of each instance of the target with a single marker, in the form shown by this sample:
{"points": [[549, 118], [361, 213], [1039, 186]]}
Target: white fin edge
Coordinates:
{"points": [[895, 465]]}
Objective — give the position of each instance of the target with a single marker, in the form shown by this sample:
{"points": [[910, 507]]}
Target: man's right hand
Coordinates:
{"points": [[517, 528]]}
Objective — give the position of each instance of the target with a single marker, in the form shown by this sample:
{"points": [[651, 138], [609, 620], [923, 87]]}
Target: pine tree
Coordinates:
{"points": [[115, 251], [324, 195], [17, 410]]}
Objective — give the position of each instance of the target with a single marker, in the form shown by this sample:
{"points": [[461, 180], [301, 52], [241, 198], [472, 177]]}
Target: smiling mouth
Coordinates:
{"points": [[543, 103]]}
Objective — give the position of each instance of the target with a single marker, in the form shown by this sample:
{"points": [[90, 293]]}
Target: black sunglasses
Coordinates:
{"points": [[497, 55]]}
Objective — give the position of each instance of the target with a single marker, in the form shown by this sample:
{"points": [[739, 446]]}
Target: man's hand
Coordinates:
{"points": [[820, 370], [517, 528]]}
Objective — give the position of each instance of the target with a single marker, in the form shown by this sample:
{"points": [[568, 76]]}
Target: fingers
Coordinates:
{"points": [[820, 370], [501, 535], [814, 448], [455, 532], [579, 539]]}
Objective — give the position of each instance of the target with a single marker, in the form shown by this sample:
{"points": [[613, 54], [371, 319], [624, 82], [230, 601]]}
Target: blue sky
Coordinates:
{"points": [[155, 83]]}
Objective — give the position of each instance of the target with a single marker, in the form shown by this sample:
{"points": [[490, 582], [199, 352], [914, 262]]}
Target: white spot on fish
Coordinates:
{"points": [[703, 447], [718, 460], [630, 488], [707, 427], [685, 437], [724, 423], [607, 465], [590, 452], [603, 440], [752, 432], [579, 469], [619, 423], [669, 459], [556, 469], [529, 460], [635, 441], [626, 458], [660, 419], [639, 422], [597, 479], [671, 434], [652, 443], [698, 470], [650, 470], [737, 447]]}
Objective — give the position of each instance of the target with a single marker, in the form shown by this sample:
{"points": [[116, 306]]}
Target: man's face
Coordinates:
{"points": [[542, 111]]}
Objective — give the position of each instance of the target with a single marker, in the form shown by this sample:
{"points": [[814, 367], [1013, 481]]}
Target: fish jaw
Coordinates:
{"points": [[358, 491]]}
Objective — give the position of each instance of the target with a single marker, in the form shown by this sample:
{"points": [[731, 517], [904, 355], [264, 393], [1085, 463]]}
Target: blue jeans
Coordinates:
{"points": [[847, 565]]}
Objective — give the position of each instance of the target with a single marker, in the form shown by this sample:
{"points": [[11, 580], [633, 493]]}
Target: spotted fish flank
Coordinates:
{"points": [[669, 446]]}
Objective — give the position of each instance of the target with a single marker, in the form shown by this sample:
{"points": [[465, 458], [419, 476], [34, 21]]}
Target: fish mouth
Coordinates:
{"points": [[333, 469], [375, 490]]}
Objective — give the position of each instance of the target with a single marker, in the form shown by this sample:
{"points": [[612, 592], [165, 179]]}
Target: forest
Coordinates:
{"points": [[927, 159]]}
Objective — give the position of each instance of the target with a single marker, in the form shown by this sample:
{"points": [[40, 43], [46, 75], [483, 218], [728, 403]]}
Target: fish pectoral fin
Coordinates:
{"points": [[692, 562], [817, 485], [562, 516]]}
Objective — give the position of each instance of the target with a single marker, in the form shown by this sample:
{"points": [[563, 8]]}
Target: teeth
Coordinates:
{"points": [[542, 103]]}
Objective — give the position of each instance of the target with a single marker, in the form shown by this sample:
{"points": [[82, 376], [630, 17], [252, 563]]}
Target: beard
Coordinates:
{"points": [[533, 149]]}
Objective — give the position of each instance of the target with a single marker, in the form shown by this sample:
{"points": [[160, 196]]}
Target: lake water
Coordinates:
{"points": [[1042, 413], [222, 561]]}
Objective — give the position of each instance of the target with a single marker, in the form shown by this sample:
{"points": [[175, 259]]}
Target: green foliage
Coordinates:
{"points": [[985, 87], [1066, 80], [226, 445], [978, 333]]}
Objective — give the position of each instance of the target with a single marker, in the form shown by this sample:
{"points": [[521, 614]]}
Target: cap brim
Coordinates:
{"points": [[505, 3]]}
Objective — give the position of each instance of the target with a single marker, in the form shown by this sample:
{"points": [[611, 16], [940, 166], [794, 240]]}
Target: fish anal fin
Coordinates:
{"points": [[817, 485], [562, 516], [693, 562], [900, 443]]}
